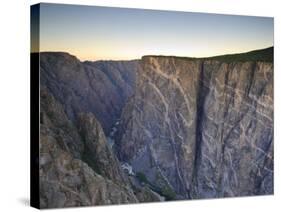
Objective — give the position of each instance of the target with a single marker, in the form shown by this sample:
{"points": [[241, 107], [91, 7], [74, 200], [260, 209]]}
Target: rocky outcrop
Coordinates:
{"points": [[66, 177], [97, 152], [101, 88], [201, 128]]}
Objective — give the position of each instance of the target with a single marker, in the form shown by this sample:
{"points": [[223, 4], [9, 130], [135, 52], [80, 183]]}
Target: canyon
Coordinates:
{"points": [[156, 129]]}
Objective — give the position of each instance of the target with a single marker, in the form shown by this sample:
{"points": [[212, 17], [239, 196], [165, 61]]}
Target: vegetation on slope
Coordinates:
{"points": [[262, 55]]}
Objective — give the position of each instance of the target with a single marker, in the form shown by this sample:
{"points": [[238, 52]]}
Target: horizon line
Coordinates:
{"points": [[154, 55]]}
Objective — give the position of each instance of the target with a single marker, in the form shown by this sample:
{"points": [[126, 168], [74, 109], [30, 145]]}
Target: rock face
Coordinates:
{"points": [[77, 165], [66, 177], [201, 128], [97, 152], [160, 128], [101, 88]]}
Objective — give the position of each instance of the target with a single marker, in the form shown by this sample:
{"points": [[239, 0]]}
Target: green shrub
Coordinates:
{"points": [[141, 176], [89, 158], [168, 193]]}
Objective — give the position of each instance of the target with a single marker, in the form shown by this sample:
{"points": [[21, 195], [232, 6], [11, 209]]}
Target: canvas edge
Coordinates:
{"points": [[34, 105]]}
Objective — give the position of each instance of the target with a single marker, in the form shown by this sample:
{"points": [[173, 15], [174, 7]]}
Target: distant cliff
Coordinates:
{"points": [[162, 127], [98, 87]]}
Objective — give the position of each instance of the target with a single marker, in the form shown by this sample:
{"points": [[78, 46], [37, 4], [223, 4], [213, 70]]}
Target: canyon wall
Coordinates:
{"points": [[201, 128], [101, 88], [77, 166], [155, 129]]}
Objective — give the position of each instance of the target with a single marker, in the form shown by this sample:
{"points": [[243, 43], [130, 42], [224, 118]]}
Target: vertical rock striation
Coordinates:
{"points": [[235, 155], [201, 128]]}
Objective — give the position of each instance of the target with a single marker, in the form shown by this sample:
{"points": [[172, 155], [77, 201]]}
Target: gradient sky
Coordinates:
{"points": [[94, 33]]}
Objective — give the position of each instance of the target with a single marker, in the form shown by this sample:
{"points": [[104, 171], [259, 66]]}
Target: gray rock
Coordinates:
{"points": [[201, 128], [188, 128], [66, 178], [101, 88]]}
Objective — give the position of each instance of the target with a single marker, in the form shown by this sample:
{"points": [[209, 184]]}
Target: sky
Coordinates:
{"points": [[106, 33]]}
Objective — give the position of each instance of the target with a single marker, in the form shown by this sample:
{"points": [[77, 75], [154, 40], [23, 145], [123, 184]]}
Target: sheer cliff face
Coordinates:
{"points": [[159, 128], [201, 128]]}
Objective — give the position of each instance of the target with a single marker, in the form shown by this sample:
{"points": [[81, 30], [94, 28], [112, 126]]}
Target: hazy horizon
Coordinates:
{"points": [[107, 33], [187, 56]]}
